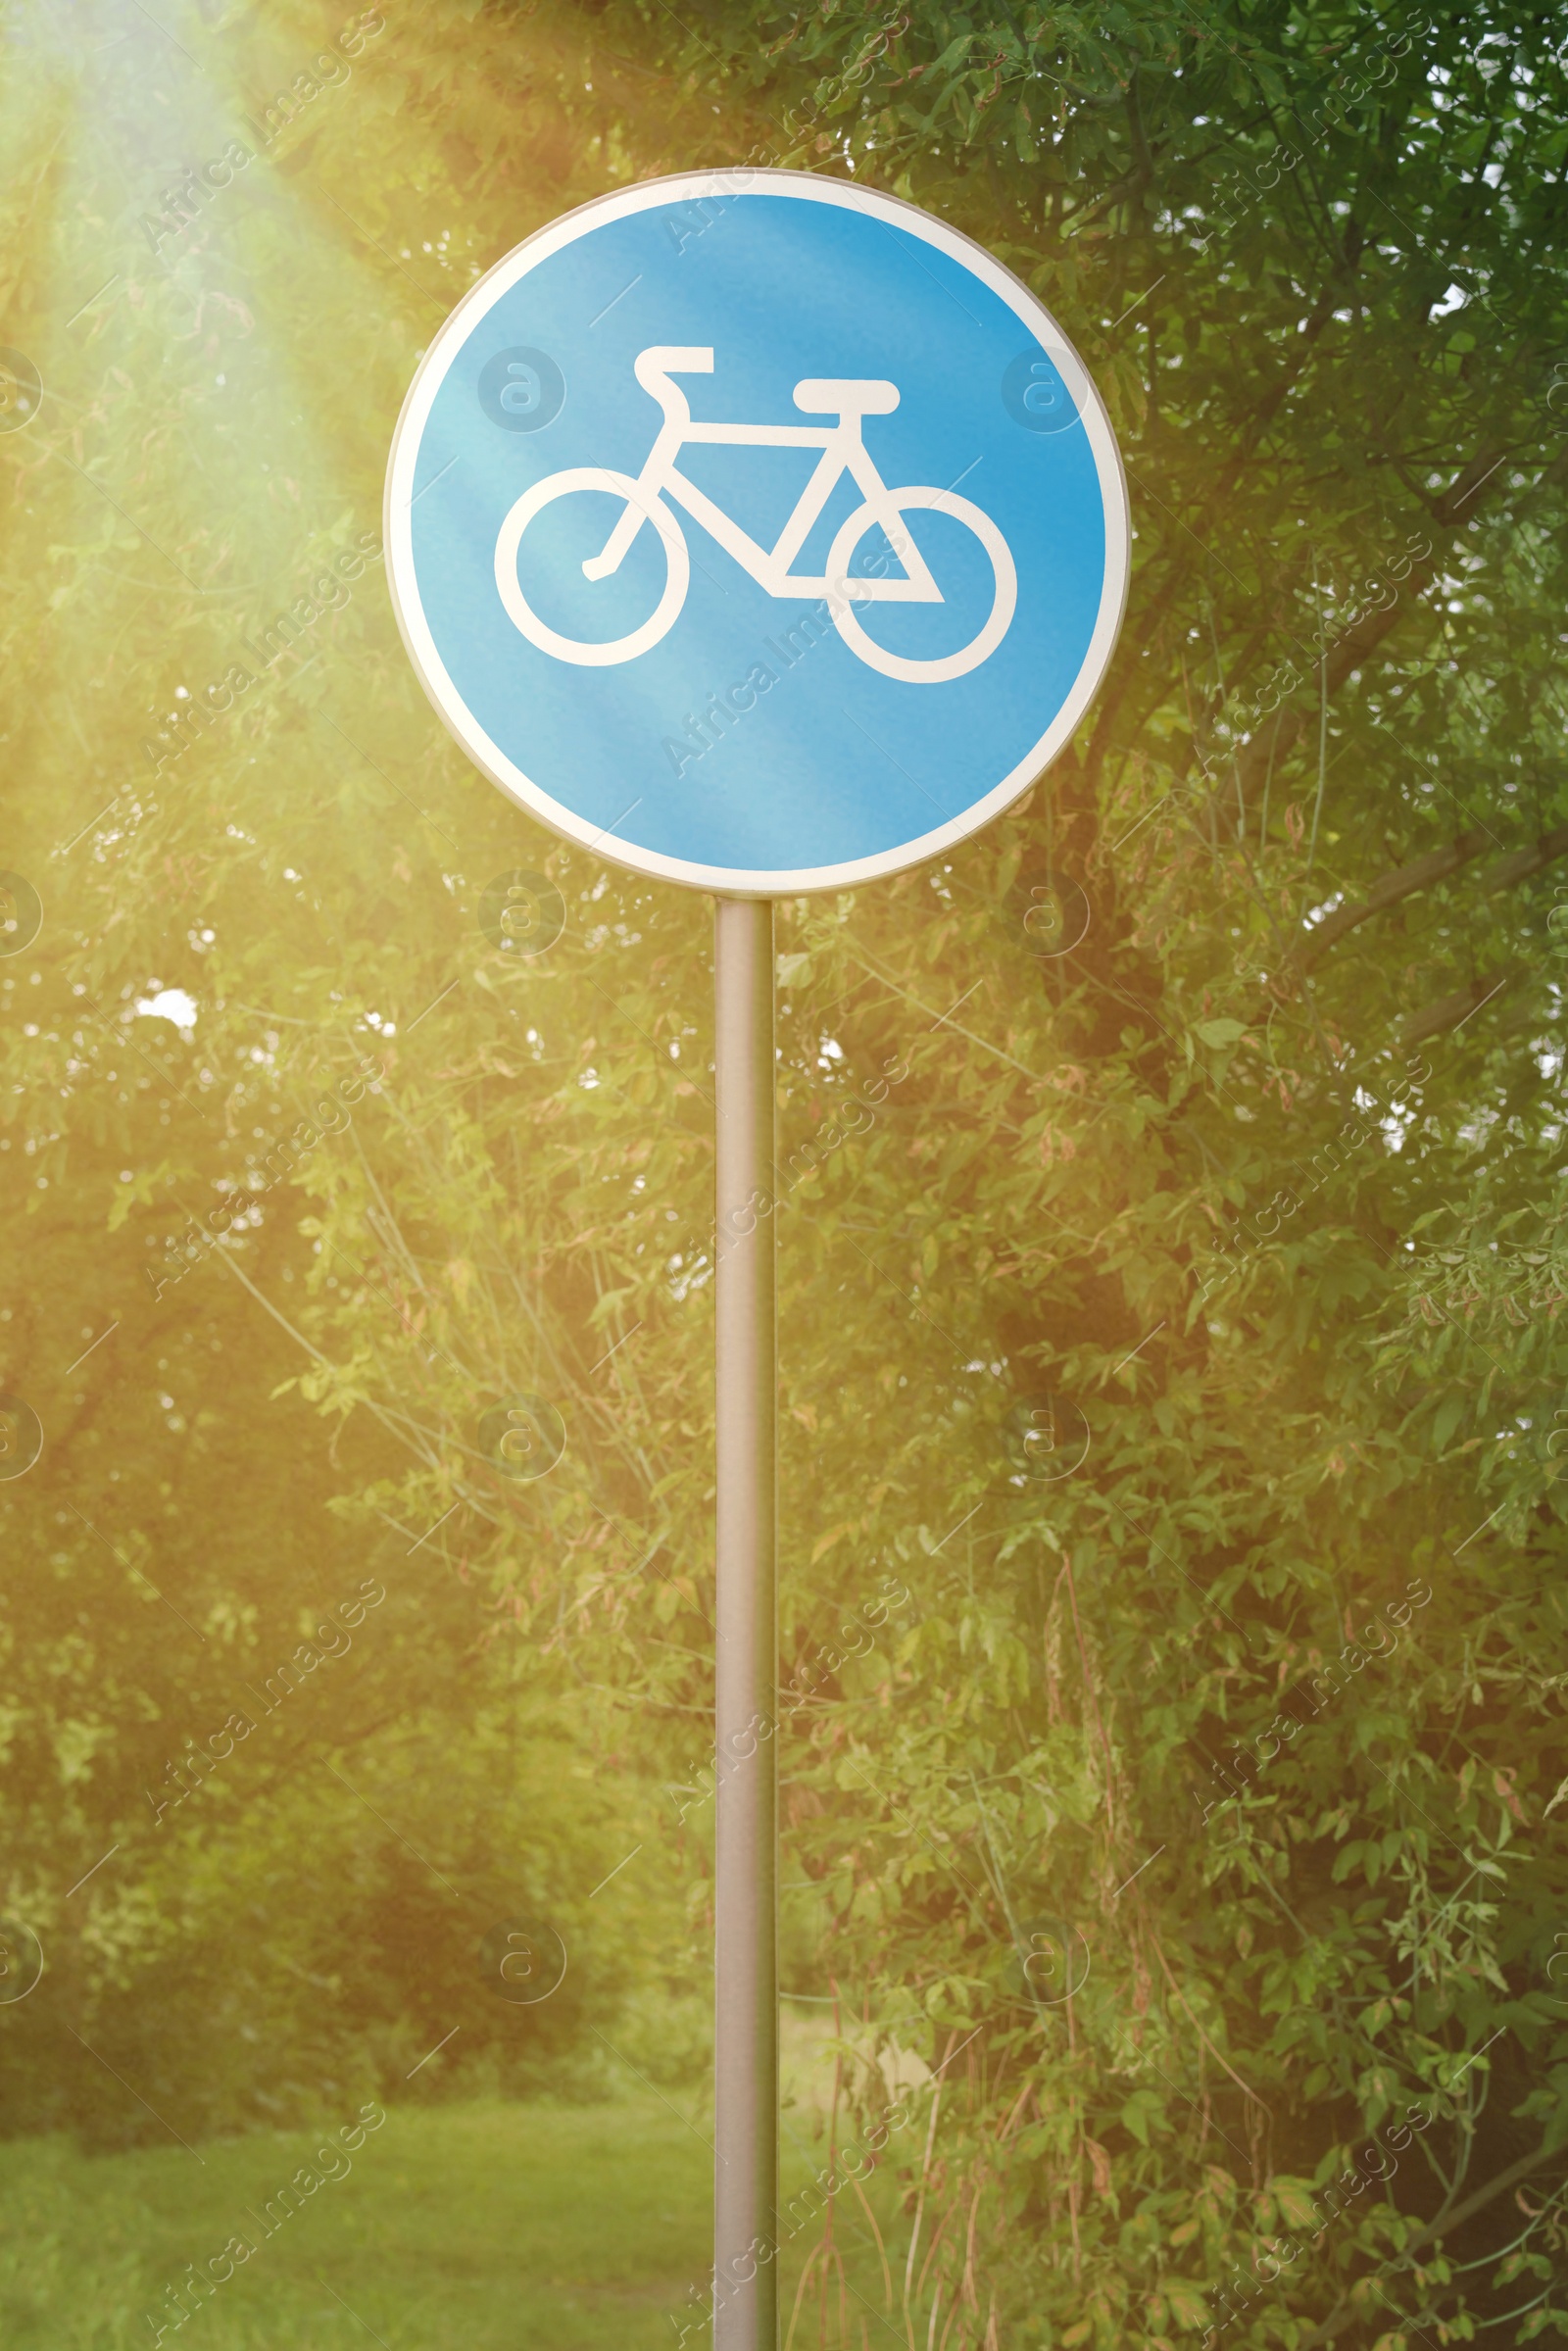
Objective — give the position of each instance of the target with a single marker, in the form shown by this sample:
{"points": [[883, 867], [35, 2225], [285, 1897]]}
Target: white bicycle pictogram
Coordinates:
{"points": [[650, 497]]}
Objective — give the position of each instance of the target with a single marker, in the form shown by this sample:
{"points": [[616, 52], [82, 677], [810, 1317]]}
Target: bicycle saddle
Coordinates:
{"points": [[822, 396]]}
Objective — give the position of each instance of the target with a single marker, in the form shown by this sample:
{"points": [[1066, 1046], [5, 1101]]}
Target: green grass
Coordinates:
{"points": [[481, 2226], [493, 2228]]}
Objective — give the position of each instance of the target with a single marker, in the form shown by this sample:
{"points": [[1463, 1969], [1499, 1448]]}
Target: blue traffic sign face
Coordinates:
{"points": [[756, 530]]}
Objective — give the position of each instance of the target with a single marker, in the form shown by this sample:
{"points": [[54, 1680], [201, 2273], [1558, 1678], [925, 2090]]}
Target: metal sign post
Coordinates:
{"points": [[745, 2231], [621, 620]]}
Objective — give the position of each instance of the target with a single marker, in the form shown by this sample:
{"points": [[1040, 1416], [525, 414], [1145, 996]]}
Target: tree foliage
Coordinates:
{"points": [[1206, 1113]]}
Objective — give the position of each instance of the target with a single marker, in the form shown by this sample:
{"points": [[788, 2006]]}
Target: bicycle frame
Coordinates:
{"points": [[843, 451]]}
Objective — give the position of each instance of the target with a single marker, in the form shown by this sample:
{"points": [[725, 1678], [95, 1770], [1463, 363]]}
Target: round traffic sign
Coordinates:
{"points": [[756, 530]]}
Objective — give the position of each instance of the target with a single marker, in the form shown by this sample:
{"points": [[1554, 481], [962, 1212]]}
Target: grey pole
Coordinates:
{"points": [[746, 2228]]}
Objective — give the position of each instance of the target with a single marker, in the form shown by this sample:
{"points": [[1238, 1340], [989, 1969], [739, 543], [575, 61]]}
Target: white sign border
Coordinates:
{"points": [[459, 721]]}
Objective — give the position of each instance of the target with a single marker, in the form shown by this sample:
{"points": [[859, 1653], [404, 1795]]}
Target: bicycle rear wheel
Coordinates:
{"points": [[585, 652], [874, 516]]}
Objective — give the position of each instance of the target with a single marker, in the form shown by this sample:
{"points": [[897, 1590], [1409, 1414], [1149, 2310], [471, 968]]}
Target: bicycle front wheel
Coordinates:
{"points": [[588, 653], [842, 587]]}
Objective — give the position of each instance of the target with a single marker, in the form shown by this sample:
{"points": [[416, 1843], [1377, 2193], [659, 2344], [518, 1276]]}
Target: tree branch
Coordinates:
{"points": [[1420, 874], [1524, 861], [1450, 1010], [1388, 890], [1450, 2217], [1358, 643]]}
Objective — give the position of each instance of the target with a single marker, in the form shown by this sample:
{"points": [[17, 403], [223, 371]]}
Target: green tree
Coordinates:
{"points": [[1195, 1811]]}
